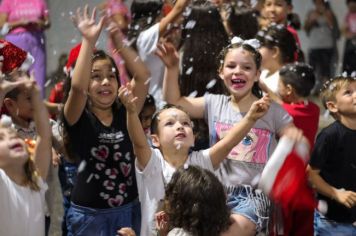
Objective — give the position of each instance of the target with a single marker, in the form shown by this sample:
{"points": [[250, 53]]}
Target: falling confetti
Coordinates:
{"points": [[178, 146], [82, 166], [189, 71], [193, 94], [190, 24], [148, 80], [211, 84], [48, 82]]}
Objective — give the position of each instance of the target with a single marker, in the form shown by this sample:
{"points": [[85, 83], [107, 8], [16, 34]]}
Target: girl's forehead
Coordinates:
{"points": [[102, 64], [237, 54]]}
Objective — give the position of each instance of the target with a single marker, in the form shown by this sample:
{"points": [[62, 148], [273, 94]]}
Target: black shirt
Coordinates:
{"points": [[106, 175], [335, 155]]}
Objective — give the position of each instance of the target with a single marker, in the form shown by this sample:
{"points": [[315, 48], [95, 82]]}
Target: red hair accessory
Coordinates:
{"points": [[13, 57]]}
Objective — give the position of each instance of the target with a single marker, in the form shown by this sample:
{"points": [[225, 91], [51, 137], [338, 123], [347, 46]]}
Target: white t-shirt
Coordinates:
{"points": [[22, 209], [152, 180], [146, 47]]}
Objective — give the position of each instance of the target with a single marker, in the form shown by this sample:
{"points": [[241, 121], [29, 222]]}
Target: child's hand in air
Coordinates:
{"points": [[168, 54], [259, 108], [126, 232], [86, 24], [127, 98]]}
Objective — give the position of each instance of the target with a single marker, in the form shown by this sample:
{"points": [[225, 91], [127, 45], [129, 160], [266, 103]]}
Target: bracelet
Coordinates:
{"points": [[5, 29]]}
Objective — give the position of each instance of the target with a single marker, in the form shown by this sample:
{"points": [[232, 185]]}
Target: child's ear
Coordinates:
{"points": [[289, 89], [155, 140], [276, 53], [10, 105], [332, 107]]}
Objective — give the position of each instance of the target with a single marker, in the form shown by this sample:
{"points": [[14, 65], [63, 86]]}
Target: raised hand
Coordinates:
{"points": [[168, 54], [259, 108], [127, 98], [87, 26]]}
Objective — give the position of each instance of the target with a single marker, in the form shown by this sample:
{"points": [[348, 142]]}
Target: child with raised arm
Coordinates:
{"points": [[153, 26], [332, 164], [104, 197], [172, 135], [240, 171], [22, 173]]}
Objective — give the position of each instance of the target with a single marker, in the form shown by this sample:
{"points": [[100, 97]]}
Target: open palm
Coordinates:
{"points": [[86, 24]]}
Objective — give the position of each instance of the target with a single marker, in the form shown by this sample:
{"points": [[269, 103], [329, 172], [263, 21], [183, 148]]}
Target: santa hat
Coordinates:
{"points": [[13, 57], [284, 177], [72, 58]]}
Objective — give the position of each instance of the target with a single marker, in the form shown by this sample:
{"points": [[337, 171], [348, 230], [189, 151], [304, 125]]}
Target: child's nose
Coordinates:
{"points": [[105, 81]]}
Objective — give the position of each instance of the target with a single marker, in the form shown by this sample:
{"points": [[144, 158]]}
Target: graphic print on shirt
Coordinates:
{"points": [[254, 147], [111, 167]]}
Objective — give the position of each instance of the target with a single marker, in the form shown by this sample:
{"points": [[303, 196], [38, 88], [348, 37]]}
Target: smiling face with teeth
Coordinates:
{"points": [[239, 72], [13, 149], [103, 85]]}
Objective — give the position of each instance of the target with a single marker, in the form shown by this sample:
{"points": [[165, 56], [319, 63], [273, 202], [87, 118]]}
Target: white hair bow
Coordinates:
{"points": [[251, 42]]}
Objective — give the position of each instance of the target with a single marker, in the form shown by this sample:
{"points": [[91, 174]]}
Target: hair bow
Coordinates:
{"points": [[251, 42]]}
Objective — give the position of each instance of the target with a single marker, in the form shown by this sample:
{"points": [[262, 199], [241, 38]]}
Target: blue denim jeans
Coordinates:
{"points": [[67, 174], [325, 227], [85, 221], [252, 204]]}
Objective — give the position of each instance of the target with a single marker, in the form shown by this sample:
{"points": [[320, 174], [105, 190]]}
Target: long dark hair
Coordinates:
{"points": [[195, 201], [97, 55], [203, 37]]}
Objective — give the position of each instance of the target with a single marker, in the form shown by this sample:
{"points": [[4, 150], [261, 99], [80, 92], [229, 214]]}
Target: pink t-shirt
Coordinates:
{"points": [[351, 22], [31, 10]]}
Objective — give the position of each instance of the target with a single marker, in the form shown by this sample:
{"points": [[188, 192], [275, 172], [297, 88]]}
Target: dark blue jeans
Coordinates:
{"points": [[67, 174], [85, 221]]}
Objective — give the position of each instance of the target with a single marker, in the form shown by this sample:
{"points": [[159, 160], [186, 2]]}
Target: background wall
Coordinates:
{"points": [[62, 35]]}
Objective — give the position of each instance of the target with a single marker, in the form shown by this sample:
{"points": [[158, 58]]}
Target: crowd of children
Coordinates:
{"points": [[172, 136]]}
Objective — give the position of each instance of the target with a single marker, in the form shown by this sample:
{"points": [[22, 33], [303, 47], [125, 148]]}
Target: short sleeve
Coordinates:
{"points": [[322, 149], [153, 166], [147, 41], [281, 117], [45, 10], [202, 159]]}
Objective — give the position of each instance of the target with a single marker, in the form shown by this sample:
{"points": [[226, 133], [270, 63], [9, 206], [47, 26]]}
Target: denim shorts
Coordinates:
{"points": [[324, 226], [85, 221], [250, 203]]}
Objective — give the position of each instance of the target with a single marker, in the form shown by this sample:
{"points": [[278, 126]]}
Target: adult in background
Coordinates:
{"points": [[23, 24]]}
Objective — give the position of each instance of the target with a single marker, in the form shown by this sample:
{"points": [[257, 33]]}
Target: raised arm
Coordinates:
{"points": [[77, 97], [171, 94], [221, 149], [137, 135], [172, 16], [43, 149], [134, 64]]}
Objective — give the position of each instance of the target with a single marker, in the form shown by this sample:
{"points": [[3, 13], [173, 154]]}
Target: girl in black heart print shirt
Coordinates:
{"points": [[104, 197]]}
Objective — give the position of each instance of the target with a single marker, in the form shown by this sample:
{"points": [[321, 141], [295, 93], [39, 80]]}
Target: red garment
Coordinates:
{"points": [[56, 95], [284, 180], [305, 117]]}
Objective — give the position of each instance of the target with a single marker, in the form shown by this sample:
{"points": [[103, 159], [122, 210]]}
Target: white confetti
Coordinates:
{"points": [[178, 146], [48, 82], [193, 94], [326, 114], [148, 81], [211, 84], [136, 59], [344, 74], [89, 178], [189, 71], [190, 24], [82, 166], [73, 41], [149, 20]]}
